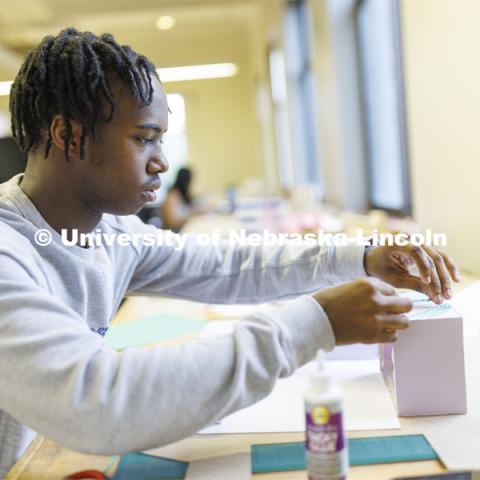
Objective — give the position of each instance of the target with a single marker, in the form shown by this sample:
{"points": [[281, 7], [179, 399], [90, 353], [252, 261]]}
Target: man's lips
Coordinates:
{"points": [[152, 186], [148, 192]]}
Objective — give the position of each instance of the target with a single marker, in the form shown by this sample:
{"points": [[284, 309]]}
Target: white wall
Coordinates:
{"points": [[442, 68]]}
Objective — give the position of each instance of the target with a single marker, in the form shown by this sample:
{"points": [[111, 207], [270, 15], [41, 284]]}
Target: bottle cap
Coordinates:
{"points": [[320, 378]]}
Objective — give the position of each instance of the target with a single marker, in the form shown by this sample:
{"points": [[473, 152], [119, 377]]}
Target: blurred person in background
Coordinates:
{"points": [[179, 205]]}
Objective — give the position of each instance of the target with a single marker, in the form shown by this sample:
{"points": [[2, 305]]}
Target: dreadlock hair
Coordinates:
{"points": [[72, 75]]}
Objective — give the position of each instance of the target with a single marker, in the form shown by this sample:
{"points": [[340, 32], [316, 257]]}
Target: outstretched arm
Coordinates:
{"points": [[228, 273]]}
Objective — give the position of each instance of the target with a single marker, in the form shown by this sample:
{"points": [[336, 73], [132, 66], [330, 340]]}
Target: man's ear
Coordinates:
{"points": [[58, 131]]}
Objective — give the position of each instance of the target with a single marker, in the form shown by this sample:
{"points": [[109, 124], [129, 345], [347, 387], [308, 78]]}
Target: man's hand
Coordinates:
{"points": [[364, 311], [391, 264]]}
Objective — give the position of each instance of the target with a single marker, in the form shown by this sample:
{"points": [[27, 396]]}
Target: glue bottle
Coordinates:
{"points": [[325, 442]]}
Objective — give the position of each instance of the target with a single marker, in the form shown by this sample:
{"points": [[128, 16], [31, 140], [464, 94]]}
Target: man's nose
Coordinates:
{"points": [[158, 164]]}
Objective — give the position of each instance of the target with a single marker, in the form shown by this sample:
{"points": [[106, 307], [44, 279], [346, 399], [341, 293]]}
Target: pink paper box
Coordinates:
{"points": [[426, 365], [357, 351]]}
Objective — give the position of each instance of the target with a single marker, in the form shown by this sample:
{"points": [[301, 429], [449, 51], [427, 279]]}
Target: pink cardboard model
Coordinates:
{"points": [[426, 364]]}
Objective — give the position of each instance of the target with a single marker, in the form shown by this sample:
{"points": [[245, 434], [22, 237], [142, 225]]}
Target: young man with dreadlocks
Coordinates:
{"points": [[91, 115]]}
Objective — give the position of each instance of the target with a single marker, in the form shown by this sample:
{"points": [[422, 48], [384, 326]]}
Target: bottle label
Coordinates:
{"points": [[326, 452]]}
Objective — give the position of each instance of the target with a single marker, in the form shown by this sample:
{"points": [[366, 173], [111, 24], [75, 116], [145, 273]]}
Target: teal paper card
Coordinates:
{"points": [[150, 330], [138, 466]]}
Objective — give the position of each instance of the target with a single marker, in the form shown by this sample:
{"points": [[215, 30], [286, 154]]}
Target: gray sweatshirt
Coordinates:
{"points": [[59, 378]]}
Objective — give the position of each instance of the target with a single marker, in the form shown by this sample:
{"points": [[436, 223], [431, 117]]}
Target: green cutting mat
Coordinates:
{"points": [[286, 456], [362, 451]]}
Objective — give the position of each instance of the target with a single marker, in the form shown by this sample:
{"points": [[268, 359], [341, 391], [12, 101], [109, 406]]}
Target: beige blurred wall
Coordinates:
{"points": [[442, 72]]}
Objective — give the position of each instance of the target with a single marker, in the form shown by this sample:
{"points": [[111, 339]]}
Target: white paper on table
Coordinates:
{"points": [[457, 451], [368, 405], [467, 304], [233, 467]]}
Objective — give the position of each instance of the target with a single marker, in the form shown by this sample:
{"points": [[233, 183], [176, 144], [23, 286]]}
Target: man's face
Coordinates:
{"points": [[121, 168]]}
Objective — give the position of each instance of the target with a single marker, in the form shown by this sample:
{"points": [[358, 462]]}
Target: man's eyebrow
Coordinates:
{"points": [[151, 126]]}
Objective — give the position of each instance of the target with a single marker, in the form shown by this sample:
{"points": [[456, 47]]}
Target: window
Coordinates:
{"points": [[381, 73], [280, 113], [300, 86], [294, 102], [175, 142]]}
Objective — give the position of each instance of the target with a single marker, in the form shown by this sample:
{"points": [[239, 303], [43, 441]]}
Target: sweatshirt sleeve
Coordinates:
{"points": [[62, 380], [226, 273]]}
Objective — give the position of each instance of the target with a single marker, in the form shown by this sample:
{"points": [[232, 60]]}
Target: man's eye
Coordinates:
{"points": [[144, 140]]}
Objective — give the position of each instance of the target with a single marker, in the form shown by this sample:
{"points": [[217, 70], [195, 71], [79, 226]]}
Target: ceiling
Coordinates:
{"points": [[23, 23]]}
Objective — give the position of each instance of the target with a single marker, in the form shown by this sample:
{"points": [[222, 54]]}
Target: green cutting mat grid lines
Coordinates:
{"points": [[279, 457], [362, 451], [401, 448]]}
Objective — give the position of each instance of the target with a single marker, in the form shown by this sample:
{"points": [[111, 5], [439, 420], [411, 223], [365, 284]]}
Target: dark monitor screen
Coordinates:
{"points": [[12, 159], [446, 476]]}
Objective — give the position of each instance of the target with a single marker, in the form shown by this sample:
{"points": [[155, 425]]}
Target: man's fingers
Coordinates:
{"points": [[435, 284], [415, 283], [394, 322], [421, 261], [388, 336], [396, 304], [443, 273], [451, 266], [391, 324], [383, 287]]}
